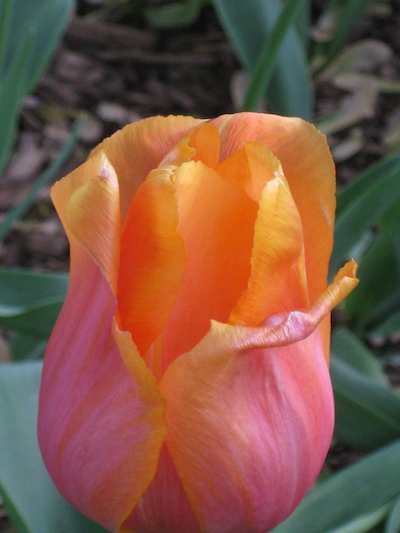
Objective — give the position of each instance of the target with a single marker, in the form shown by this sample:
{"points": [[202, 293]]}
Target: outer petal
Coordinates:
{"points": [[309, 169], [164, 507], [101, 423], [250, 418], [87, 202], [139, 148]]}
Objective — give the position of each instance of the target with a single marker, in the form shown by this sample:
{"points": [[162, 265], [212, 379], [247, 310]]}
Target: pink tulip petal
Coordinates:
{"points": [[101, 423], [164, 507], [250, 417]]}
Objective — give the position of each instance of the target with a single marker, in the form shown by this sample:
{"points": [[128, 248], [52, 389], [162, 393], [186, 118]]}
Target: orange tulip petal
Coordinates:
{"points": [[152, 259], [87, 202], [251, 167], [216, 222], [206, 142], [101, 416], [309, 169], [277, 281], [140, 147], [250, 417], [286, 328]]}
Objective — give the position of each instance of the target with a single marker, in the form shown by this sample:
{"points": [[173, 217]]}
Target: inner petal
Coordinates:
{"points": [[202, 144], [277, 281], [216, 222], [151, 260], [251, 167]]}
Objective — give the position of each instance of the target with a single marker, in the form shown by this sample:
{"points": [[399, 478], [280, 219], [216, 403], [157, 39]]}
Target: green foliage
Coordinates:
{"points": [[347, 347], [29, 33], [367, 413], [367, 209], [29, 495], [267, 58], [344, 13], [378, 294], [175, 14], [351, 496], [47, 176], [393, 522], [30, 301], [249, 25]]}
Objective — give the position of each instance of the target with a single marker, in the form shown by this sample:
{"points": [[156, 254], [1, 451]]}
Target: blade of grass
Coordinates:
{"points": [[5, 27], [11, 92], [267, 59], [247, 25], [303, 20], [20, 209], [360, 184], [363, 213]]}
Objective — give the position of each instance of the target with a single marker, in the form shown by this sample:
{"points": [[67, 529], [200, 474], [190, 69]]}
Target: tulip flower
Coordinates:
{"points": [[186, 383]]}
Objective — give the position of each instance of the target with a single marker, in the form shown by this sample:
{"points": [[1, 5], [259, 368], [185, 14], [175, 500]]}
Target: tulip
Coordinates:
{"points": [[186, 384]]}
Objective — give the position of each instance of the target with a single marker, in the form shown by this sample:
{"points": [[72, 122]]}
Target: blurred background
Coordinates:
{"points": [[75, 71]]}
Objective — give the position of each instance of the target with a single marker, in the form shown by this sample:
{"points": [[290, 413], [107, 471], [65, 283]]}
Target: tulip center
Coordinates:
{"points": [[194, 246]]}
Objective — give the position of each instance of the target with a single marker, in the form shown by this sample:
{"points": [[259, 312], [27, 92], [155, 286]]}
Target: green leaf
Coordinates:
{"points": [[267, 58], [36, 321], [48, 175], [379, 288], [303, 23], [393, 522], [348, 348], [25, 347], [248, 24], [367, 413], [360, 184], [29, 495], [29, 33], [365, 522], [388, 328], [12, 88], [46, 19], [5, 28], [30, 301], [175, 14], [361, 214], [352, 493]]}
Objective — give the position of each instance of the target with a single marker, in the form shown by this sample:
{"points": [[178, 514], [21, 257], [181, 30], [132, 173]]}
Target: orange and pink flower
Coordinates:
{"points": [[186, 384]]}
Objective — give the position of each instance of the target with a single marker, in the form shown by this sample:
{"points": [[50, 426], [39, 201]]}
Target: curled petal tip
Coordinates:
{"points": [[288, 328]]}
